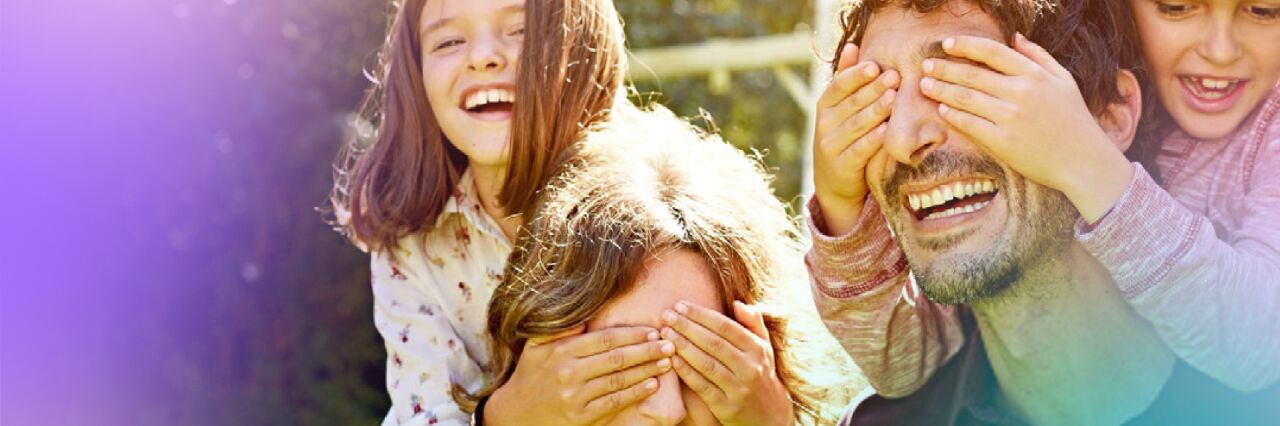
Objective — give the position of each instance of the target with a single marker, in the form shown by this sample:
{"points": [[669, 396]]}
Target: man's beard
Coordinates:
{"points": [[1044, 225]]}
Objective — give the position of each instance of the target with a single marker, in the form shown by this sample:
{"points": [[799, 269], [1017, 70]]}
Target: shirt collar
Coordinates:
{"points": [[464, 204]]}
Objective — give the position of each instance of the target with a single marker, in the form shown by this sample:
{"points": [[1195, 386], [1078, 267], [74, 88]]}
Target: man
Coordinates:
{"points": [[1046, 337]]}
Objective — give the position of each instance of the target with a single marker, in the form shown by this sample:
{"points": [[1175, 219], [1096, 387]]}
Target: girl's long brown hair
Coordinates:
{"points": [[396, 172], [642, 184]]}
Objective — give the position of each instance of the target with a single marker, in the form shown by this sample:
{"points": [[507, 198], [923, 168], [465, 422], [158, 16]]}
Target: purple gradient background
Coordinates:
{"points": [[144, 139], [124, 123]]}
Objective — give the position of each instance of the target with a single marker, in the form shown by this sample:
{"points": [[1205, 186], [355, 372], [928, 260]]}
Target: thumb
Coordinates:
{"points": [[750, 318], [848, 57], [576, 330]]}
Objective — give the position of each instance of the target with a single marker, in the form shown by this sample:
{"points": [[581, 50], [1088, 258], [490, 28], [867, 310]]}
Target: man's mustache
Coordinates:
{"points": [[940, 165]]}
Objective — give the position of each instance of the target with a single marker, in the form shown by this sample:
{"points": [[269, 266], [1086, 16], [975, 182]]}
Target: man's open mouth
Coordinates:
{"points": [[950, 199]]}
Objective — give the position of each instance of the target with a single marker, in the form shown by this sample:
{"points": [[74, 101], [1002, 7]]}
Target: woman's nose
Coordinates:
{"points": [[666, 406]]}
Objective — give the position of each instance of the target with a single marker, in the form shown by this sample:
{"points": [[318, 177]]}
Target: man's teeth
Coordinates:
{"points": [[957, 210], [951, 191], [485, 97]]}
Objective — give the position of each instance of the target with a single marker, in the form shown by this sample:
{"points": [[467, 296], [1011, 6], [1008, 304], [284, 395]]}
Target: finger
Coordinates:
{"points": [[860, 100], [618, 381], [539, 341], [978, 129], [975, 77], [750, 318], [607, 339], [866, 147], [1039, 55], [847, 81], [989, 52], [718, 326], [696, 382], [619, 359], [964, 98], [848, 56], [611, 403], [710, 366], [851, 134]]}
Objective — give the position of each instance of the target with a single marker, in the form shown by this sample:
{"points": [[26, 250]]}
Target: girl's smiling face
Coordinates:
{"points": [[1211, 61], [469, 51]]}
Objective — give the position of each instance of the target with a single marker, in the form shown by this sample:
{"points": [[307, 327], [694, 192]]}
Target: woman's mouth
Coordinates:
{"points": [[490, 104], [1211, 94]]}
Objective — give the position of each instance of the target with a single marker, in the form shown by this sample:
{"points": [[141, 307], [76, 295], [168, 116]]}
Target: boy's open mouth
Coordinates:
{"points": [[1210, 89]]}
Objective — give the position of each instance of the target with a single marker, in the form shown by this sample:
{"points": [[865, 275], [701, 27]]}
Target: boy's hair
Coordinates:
{"points": [[1093, 39], [642, 184], [394, 181]]}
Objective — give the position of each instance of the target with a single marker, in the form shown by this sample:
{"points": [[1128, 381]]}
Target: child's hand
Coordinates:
{"points": [[581, 379], [850, 129], [729, 364], [1026, 109]]}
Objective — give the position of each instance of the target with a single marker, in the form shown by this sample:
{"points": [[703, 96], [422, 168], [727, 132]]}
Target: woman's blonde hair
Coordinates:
{"points": [[642, 184]]}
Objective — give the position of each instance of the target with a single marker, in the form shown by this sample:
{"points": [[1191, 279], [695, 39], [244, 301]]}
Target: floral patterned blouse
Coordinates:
{"points": [[430, 306]]}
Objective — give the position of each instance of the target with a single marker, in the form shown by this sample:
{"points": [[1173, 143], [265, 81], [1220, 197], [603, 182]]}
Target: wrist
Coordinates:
{"points": [[839, 214], [492, 409], [1097, 190]]}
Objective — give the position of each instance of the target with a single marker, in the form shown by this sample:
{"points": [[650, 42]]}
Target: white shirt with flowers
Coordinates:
{"points": [[430, 306]]}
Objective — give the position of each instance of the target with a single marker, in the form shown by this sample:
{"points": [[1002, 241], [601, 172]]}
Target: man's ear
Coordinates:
{"points": [[1120, 120]]}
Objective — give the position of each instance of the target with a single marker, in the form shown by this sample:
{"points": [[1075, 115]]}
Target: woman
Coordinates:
{"points": [[650, 215]]}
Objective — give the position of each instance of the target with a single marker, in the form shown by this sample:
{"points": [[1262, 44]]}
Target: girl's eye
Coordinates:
{"points": [[1264, 13], [519, 31], [1174, 10], [446, 44]]}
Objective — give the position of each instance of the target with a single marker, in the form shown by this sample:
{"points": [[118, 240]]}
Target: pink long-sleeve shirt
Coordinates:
{"points": [[1199, 258]]}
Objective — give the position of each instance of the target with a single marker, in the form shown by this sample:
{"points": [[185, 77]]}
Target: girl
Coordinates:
{"points": [[1199, 257], [642, 221], [475, 102]]}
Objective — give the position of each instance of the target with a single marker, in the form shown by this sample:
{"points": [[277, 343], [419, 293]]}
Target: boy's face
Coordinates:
{"points": [[1211, 61]]}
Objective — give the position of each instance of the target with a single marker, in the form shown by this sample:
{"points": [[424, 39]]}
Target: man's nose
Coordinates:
{"points": [[914, 127]]}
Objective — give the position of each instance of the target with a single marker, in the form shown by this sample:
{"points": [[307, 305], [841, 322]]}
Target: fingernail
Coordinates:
{"points": [[943, 108], [927, 65], [664, 364], [681, 308], [926, 83], [653, 335], [668, 333], [668, 348], [948, 43], [669, 317], [651, 384], [868, 70], [888, 97]]}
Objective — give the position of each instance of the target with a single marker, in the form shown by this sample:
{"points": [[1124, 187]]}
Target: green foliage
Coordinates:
{"points": [[756, 112]]}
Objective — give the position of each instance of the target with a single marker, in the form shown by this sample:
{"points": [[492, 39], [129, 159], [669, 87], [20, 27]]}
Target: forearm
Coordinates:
{"points": [[1213, 301]]}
